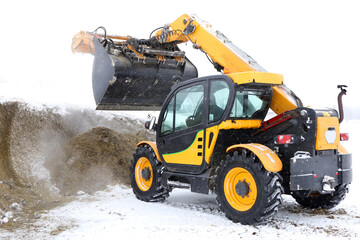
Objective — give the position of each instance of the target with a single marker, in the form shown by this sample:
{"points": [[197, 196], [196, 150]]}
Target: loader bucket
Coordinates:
{"points": [[125, 83]]}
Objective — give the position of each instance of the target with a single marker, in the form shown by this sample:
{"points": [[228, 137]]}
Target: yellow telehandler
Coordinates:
{"points": [[211, 134]]}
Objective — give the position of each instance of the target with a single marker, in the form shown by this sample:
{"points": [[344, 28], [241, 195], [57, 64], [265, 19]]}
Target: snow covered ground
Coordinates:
{"points": [[117, 214]]}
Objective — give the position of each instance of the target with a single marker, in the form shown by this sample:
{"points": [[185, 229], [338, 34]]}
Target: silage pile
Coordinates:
{"points": [[47, 154], [94, 159]]}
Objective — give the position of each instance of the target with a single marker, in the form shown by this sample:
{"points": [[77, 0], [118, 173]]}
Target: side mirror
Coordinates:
{"points": [[151, 124]]}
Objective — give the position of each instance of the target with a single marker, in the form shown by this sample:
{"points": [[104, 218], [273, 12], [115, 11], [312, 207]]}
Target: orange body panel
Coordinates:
{"points": [[153, 146], [280, 101], [268, 158], [323, 124]]}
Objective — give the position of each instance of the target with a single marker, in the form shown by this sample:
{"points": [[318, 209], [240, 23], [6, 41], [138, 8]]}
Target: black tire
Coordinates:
{"points": [[326, 201], [267, 186], [148, 188]]}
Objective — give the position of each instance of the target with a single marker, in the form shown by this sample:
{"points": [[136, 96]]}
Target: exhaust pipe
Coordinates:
{"points": [[340, 104]]}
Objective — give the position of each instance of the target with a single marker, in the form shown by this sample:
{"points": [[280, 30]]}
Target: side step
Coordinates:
{"points": [[198, 183]]}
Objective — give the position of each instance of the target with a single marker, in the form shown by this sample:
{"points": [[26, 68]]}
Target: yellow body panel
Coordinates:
{"points": [[268, 158], [228, 124], [189, 156], [209, 147], [256, 77], [323, 124], [342, 149], [280, 102], [240, 124], [153, 146]]}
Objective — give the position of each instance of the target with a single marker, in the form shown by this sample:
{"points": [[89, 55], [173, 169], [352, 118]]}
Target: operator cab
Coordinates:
{"points": [[194, 108]]}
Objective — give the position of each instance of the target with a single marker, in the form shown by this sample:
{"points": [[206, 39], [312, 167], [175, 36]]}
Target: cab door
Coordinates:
{"points": [[180, 136], [187, 128], [221, 94]]}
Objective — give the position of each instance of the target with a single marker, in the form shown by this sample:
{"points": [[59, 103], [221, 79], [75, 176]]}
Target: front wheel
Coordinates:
{"points": [[245, 190], [145, 174]]}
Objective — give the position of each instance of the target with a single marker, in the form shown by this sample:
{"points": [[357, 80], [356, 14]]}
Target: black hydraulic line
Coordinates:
{"points": [[103, 28], [104, 41], [154, 31], [110, 43]]}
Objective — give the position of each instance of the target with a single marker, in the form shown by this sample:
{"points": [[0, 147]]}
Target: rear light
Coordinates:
{"points": [[284, 139], [344, 136]]}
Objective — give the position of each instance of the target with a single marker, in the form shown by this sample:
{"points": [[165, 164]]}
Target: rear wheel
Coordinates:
{"points": [[245, 190], [145, 175], [326, 201]]}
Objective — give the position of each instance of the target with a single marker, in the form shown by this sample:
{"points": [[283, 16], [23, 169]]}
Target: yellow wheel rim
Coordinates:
{"points": [[240, 181], [144, 183]]}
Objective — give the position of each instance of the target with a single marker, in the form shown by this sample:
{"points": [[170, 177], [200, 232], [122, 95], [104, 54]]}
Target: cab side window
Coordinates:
{"points": [[250, 104], [167, 125], [189, 107], [219, 95], [185, 110]]}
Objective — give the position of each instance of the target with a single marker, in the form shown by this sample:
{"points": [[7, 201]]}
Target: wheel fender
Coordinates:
{"points": [[268, 158], [153, 146]]}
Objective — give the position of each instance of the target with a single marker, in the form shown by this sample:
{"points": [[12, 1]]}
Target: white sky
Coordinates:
{"points": [[314, 44]]}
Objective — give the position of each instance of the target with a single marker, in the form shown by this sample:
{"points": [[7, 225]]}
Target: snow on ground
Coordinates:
{"points": [[117, 214]]}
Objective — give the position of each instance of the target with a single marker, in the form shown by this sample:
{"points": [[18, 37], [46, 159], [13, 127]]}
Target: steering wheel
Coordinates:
{"points": [[190, 121]]}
